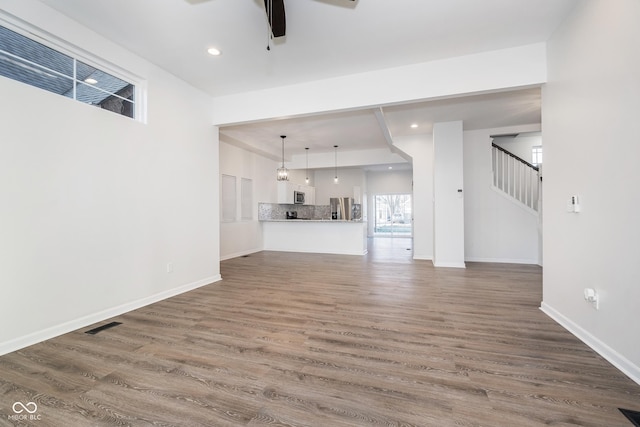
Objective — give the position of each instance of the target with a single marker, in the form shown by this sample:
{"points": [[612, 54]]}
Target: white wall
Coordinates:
{"points": [[420, 148], [507, 68], [387, 182], [348, 179], [95, 205], [297, 176], [496, 228], [242, 237], [590, 127], [520, 145]]}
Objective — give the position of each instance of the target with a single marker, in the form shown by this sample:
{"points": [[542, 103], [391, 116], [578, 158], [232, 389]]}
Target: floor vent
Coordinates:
{"points": [[102, 328], [632, 416]]}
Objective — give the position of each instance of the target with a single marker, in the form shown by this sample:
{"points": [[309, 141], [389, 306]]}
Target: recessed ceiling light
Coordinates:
{"points": [[413, 126], [390, 167], [90, 81], [214, 51]]}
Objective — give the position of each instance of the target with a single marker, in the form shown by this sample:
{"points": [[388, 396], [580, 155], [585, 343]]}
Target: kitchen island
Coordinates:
{"points": [[315, 235]]}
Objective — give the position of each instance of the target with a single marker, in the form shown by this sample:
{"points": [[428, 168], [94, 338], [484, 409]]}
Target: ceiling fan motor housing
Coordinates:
{"points": [[276, 17]]}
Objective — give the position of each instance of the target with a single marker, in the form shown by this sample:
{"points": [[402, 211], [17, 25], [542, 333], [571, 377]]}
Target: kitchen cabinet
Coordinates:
{"points": [[285, 192], [309, 195], [287, 188]]}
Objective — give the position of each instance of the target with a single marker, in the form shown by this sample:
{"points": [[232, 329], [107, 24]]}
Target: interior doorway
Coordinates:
{"points": [[393, 215]]}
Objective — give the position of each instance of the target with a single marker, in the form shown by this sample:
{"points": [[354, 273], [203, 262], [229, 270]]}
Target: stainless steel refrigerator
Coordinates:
{"points": [[343, 208]]}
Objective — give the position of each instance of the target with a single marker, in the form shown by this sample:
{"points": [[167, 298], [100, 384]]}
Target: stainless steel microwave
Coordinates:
{"points": [[298, 197]]}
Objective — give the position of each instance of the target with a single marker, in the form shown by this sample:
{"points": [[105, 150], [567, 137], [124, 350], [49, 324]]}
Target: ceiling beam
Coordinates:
{"points": [[382, 122]]}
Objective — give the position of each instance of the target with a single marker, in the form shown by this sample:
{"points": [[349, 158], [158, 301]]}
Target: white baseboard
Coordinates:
{"points": [[72, 325], [449, 264], [503, 260], [239, 254], [612, 356], [332, 252]]}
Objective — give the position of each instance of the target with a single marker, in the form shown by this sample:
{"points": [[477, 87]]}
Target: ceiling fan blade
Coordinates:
{"points": [[276, 17]]}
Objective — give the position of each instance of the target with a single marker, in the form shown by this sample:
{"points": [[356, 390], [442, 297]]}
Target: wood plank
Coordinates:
{"points": [[327, 340]]}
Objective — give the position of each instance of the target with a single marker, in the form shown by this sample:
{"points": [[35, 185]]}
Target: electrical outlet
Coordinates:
{"points": [[590, 295], [169, 267]]}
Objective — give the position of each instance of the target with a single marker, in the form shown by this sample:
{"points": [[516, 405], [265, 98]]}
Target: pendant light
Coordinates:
{"points": [[306, 149], [335, 178], [283, 173]]}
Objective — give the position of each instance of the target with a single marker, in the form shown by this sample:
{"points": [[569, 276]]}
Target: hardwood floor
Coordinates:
{"points": [[322, 340]]}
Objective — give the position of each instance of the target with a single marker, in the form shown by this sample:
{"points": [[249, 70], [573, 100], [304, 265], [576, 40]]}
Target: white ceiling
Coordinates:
{"points": [[327, 38], [360, 130]]}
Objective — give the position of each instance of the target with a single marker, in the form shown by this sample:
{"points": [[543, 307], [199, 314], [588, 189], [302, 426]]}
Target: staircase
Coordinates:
{"points": [[515, 177]]}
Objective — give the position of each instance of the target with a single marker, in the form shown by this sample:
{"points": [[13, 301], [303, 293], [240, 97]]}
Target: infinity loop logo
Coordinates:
{"points": [[20, 407]]}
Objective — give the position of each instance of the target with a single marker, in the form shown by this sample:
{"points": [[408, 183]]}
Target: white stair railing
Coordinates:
{"points": [[515, 176]]}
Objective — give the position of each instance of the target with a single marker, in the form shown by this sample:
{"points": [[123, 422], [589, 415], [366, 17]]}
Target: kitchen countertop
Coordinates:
{"points": [[311, 220]]}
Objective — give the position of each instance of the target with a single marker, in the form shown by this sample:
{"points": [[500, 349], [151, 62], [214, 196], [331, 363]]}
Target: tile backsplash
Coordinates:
{"points": [[271, 211]]}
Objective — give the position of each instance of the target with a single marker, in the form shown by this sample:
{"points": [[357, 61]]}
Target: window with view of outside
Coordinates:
{"points": [[35, 64], [536, 155], [393, 215]]}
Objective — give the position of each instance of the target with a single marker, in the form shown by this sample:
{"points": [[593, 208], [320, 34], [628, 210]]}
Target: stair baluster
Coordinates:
{"points": [[515, 176]]}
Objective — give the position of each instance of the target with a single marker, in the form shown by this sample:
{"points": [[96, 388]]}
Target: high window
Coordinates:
{"points": [[28, 61], [536, 155]]}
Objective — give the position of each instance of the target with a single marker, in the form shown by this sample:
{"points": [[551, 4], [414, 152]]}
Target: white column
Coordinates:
{"points": [[420, 148], [448, 198]]}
